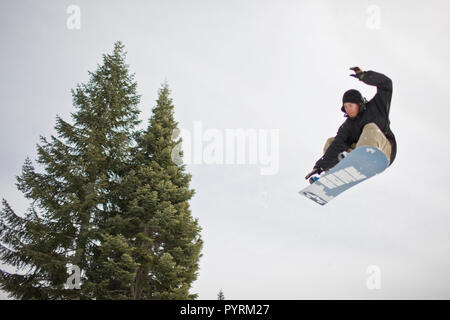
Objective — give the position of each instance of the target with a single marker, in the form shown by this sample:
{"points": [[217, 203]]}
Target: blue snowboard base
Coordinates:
{"points": [[359, 165]]}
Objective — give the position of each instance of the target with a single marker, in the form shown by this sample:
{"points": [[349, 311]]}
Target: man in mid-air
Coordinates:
{"points": [[367, 123]]}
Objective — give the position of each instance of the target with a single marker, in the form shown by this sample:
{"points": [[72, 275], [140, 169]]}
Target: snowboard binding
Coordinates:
{"points": [[341, 156], [313, 179]]}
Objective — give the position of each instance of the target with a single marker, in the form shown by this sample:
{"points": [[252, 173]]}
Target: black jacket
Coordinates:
{"points": [[376, 110]]}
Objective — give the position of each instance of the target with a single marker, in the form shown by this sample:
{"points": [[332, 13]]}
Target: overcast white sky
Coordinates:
{"points": [[264, 65]]}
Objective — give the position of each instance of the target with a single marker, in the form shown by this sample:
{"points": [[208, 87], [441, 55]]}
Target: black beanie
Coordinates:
{"points": [[352, 95]]}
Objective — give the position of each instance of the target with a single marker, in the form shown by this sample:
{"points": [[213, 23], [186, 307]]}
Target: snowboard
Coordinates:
{"points": [[359, 165]]}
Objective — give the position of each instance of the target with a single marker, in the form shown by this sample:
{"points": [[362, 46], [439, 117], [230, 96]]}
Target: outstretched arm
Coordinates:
{"points": [[341, 142], [383, 83]]}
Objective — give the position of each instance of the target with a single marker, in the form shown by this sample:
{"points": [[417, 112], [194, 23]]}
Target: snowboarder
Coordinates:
{"points": [[367, 123]]}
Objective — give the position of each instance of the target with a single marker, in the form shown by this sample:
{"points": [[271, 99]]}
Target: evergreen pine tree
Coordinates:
{"points": [[158, 221], [220, 296], [75, 198]]}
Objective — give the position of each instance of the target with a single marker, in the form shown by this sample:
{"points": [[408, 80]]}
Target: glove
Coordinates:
{"points": [[314, 171], [359, 74]]}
